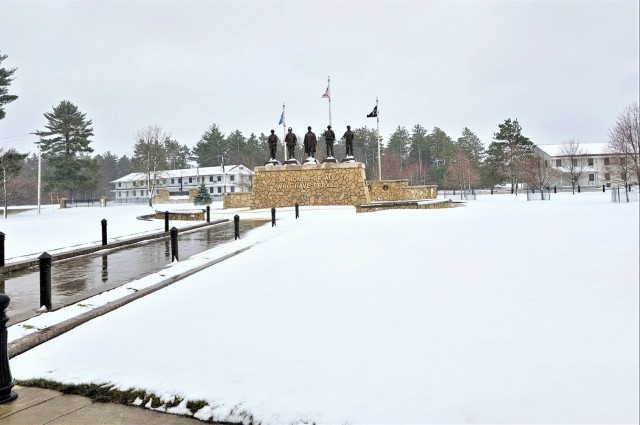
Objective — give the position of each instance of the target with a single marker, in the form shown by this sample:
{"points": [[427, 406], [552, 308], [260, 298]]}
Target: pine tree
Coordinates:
{"points": [[209, 151], [202, 196], [512, 151], [5, 82], [64, 141]]}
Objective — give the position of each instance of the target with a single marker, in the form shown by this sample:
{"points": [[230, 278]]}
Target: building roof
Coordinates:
{"points": [[190, 172], [588, 148]]}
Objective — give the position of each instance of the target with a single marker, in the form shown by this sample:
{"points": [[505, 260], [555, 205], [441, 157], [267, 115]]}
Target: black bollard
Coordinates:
{"points": [[45, 280], [578, 188], [236, 226], [1, 249], [174, 244], [554, 189], [602, 188], [492, 191], [297, 211], [208, 214], [104, 231], [166, 221], [6, 380], [273, 217]]}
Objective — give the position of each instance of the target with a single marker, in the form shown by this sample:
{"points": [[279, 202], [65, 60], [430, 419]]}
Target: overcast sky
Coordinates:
{"points": [[564, 69]]}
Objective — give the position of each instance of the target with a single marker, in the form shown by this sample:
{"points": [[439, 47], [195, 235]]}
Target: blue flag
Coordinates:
{"points": [[281, 118]]}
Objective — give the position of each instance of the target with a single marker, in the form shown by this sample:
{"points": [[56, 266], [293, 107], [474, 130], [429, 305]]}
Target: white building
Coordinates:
{"points": [[218, 181], [596, 166]]}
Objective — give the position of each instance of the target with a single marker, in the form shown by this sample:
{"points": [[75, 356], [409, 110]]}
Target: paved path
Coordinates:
{"points": [[37, 406]]}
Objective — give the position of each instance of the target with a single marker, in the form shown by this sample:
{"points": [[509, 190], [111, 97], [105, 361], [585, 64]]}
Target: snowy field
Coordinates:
{"points": [[497, 311]]}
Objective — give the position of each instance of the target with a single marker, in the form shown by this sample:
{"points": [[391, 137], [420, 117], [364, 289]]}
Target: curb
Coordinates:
{"points": [[28, 342]]}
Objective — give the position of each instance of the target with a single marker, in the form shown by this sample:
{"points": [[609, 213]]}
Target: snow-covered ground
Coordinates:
{"points": [[497, 311]]}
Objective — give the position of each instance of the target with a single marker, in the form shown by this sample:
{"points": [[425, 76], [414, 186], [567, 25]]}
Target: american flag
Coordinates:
{"points": [[326, 93]]}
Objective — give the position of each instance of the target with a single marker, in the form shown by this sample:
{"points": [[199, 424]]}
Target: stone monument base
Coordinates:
{"points": [[321, 184]]}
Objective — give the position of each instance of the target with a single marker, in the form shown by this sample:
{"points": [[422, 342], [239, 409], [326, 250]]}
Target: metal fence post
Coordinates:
{"points": [[45, 280], [174, 244], [6, 380], [602, 188], [297, 211], [166, 221], [1, 249], [236, 226], [273, 217], [104, 231], [208, 214]]}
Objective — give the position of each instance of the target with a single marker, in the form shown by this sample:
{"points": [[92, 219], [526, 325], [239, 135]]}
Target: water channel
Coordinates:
{"points": [[78, 278]]}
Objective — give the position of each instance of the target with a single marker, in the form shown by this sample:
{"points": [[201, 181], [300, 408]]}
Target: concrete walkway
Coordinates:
{"points": [[37, 406]]}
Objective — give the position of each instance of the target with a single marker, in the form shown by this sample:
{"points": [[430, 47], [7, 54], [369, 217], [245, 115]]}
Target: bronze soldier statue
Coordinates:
{"points": [[348, 137], [273, 144], [329, 137], [310, 142], [291, 140]]}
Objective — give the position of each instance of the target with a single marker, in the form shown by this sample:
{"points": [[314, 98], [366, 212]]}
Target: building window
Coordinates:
{"points": [[558, 163], [606, 161], [210, 190], [190, 179], [590, 162], [210, 178], [180, 180], [219, 190], [119, 194], [592, 177], [233, 188], [231, 178], [546, 163], [172, 181], [623, 160], [607, 176], [119, 184], [574, 161], [219, 178], [134, 193]]}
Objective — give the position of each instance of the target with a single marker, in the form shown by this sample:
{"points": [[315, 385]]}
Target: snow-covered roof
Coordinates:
{"points": [[190, 172], [588, 148]]}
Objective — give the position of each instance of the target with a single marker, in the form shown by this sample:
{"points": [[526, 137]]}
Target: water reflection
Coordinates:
{"points": [[80, 277]]}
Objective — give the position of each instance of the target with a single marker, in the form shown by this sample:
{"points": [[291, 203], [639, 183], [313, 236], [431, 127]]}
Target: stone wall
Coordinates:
{"points": [[238, 199], [406, 205], [399, 190], [323, 184]]}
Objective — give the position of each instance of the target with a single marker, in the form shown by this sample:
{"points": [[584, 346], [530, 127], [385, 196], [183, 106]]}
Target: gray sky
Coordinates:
{"points": [[564, 69]]}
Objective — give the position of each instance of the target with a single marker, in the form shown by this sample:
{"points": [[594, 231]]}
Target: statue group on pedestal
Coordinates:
{"points": [[310, 142]]}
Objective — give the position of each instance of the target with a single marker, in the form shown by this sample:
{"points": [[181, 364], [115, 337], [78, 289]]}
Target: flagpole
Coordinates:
{"points": [[378, 123], [329, 89], [284, 132]]}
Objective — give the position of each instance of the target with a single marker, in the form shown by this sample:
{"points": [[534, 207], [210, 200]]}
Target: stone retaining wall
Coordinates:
{"points": [[399, 190], [238, 200], [410, 205]]}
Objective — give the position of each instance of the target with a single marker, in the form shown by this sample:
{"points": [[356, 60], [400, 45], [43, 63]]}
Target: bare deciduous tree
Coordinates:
{"points": [[623, 141], [150, 155], [574, 163], [461, 172], [538, 172]]}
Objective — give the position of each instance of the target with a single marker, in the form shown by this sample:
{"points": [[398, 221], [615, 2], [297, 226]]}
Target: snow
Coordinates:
{"points": [[496, 311]]}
